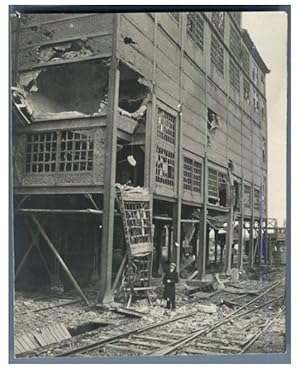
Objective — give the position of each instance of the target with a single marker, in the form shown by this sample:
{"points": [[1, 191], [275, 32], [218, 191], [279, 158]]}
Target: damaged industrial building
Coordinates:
{"points": [[139, 139]]}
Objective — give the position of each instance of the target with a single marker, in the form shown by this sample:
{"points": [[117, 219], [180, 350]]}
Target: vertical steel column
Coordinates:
{"points": [[110, 170]]}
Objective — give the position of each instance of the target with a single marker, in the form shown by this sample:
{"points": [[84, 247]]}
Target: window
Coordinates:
{"points": [[60, 151], [195, 28], [166, 126], [246, 60], [262, 79], [264, 151], [247, 196], [192, 175], [165, 165], [187, 173], [138, 219], [175, 15], [217, 55], [217, 187], [256, 199], [263, 111], [255, 100], [217, 19], [76, 151], [254, 74], [235, 42], [213, 121], [234, 75], [237, 195], [41, 152], [246, 86]]}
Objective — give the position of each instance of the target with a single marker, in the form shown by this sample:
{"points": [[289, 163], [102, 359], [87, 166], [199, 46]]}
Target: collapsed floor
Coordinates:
{"points": [[213, 301]]}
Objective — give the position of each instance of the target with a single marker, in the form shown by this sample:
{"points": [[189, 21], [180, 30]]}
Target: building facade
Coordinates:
{"points": [[171, 102]]}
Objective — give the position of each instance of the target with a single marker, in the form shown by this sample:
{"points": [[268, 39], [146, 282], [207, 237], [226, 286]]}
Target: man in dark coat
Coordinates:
{"points": [[169, 280]]}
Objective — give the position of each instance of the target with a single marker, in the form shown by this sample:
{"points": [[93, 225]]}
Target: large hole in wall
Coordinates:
{"points": [[72, 89]]}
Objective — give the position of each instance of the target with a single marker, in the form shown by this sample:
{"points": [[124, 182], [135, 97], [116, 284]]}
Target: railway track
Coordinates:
{"points": [[177, 336], [190, 333]]}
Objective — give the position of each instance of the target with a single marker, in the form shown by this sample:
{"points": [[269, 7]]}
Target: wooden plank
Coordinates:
{"points": [[55, 334], [18, 347], [40, 339], [65, 331], [33, 340], [66, 28], [23, 343], [59, 333]]}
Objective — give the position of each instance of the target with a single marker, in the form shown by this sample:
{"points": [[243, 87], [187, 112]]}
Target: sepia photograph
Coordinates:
{"points": [[149, 183]]}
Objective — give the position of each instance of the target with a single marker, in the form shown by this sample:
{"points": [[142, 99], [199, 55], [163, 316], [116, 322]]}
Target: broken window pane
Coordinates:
{"points": [[187, 173], [165, 165], [166, 126], [60, 151]]}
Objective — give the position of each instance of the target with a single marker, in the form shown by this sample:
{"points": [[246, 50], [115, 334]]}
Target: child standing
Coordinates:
{"points": [[169, 281]]}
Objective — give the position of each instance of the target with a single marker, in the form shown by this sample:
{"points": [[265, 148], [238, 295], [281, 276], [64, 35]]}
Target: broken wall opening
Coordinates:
{"points": [[72, 89]]}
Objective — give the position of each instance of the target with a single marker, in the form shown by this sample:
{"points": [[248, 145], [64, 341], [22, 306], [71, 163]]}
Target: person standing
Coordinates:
{"points": [[169, 281]]}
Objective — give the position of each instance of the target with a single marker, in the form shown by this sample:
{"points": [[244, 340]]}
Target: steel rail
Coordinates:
{"points": [[204, 331], [102, 342]]}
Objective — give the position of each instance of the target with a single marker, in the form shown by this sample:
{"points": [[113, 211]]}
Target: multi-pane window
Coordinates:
{"points": [[76, 151], [247, 196], [41, 152], [192, 175], [166, 124], [235, 42], [256, 200], [60, 151], [217, 54], [165, 166], [246, 86], [138, 218], [175, 15], [217, 19], [197, 177], [217, 187], [246, 60], [187, 173], [213, 183], [195, 28], [234, 75]]}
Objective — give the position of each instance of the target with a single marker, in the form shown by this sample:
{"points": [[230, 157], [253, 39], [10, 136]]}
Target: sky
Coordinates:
{"points": [[268, 30]]}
